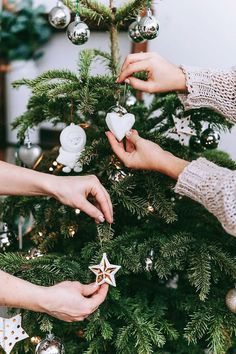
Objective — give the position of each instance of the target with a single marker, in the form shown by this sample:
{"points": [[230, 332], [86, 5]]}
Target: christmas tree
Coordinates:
{"points": [[177, 263]]}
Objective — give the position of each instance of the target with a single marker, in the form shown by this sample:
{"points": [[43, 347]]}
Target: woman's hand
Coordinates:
{"points": [[143, 154], [75, 191], [72, 301], [162, 75]]}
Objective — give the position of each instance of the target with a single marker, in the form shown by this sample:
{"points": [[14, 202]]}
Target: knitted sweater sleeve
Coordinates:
{"points": [[203, 181], [214, 89]]}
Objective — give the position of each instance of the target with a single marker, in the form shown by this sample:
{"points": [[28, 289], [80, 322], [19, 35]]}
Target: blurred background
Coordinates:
{"points": [[200, 33]]}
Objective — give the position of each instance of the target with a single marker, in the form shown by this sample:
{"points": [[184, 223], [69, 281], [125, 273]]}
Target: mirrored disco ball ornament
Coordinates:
{"points": [[78, 32], [231, 300], [148, 26], [59, 16], [134, 33], [5, 235], [50, 345]]}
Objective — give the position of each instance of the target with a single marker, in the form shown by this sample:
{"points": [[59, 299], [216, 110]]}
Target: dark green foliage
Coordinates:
{"points": [[23, 33], [178, 306]]}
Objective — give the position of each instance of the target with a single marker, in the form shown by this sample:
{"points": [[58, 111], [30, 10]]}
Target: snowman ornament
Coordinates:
{"points": [[73, 140]]}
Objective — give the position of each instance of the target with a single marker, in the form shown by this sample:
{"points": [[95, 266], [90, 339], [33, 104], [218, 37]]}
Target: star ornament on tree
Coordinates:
{"points": [[183, 129], [105, 272], [11, 332]]}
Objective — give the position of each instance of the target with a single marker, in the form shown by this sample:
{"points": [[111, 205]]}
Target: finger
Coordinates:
{"points": [[132, 58], [92, 211], [108, 200], [133, 137], [98, 298], [138, 84], [89, 289], [133, 68], [116, 147], [98, 192]]}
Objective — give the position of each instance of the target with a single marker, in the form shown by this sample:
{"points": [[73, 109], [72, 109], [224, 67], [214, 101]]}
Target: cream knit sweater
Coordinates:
{"points": [[201, 180]]}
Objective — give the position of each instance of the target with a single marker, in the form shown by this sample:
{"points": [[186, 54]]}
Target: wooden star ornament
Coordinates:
{"points": [[183, 129], [105, 272], [11, 332]]}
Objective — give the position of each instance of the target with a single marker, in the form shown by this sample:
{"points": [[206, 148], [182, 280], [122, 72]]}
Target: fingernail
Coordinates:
{"points": [[127, 81], [101, 218], [128, 134], [117, 80]]}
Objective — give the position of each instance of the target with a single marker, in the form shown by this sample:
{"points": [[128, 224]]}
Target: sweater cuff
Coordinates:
{"points": [[193, 181]]}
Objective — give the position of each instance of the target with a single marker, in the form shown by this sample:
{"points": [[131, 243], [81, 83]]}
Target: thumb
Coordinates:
{"points": [[89, 289], [132, 136]]}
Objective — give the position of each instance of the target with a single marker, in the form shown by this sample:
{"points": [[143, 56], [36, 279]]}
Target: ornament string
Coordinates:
{"points": [[72, 112], [77, 8]]}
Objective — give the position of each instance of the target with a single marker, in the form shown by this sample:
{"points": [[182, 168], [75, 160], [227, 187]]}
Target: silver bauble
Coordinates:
{"points": [[4, 237], [231, 300], [59, 16], [210, 139], [29, 154], [134, 33], [117, 175], [130, 100], [148, 26], [78, 32], [50, 345]]}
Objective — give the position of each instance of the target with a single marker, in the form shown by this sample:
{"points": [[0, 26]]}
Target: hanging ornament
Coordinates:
{"points": [[131, 100], [50, 345], [210, 139], [73, 140], [231, 300], [105, 272], [29, 154], [5, 235], [117, 175], [148, 26], [11, 332], [134, 33], [182, 129], [195, 143], [78, 32], [149, 261], [59, 16], [119, 121]]}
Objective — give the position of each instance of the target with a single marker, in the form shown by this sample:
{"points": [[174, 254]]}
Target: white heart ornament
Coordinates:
{"points": [[119, 124]]}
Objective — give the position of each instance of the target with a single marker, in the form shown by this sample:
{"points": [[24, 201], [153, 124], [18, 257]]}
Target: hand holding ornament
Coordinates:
{"points": [[162, 75]]}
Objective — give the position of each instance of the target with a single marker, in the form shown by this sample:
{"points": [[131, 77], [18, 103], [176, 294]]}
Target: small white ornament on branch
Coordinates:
{"points": [[73, 140], [119, 121], [105, 272], [182, 129]]}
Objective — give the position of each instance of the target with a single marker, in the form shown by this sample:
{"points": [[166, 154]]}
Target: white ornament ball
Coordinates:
{"points": [[231, 300], [148, 26], [78, 32], [50, 345], [134, 33], [59, 16]]}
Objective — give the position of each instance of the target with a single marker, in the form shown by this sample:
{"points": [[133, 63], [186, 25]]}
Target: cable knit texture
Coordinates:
{"points": [[214, 89], [202, 180]]}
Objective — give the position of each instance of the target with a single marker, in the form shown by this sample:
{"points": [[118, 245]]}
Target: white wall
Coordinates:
{"points": [[201, 33]]}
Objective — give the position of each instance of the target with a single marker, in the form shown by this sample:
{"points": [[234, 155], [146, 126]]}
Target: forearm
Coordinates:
{"points": [[18, 293], [16, 180], [215, 89]]}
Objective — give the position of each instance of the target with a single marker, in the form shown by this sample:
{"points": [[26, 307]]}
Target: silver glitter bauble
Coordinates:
{"points": [[148, 26], [29, 154], [4, 237], [50, 345], [117, 175], [78, 32], [59, 16], [210, 139], [231, 300], [134, 33]]}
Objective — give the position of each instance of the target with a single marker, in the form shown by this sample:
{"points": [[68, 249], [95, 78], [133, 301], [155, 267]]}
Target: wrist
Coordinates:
{"points": [[170, 165], [181, 82]]}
